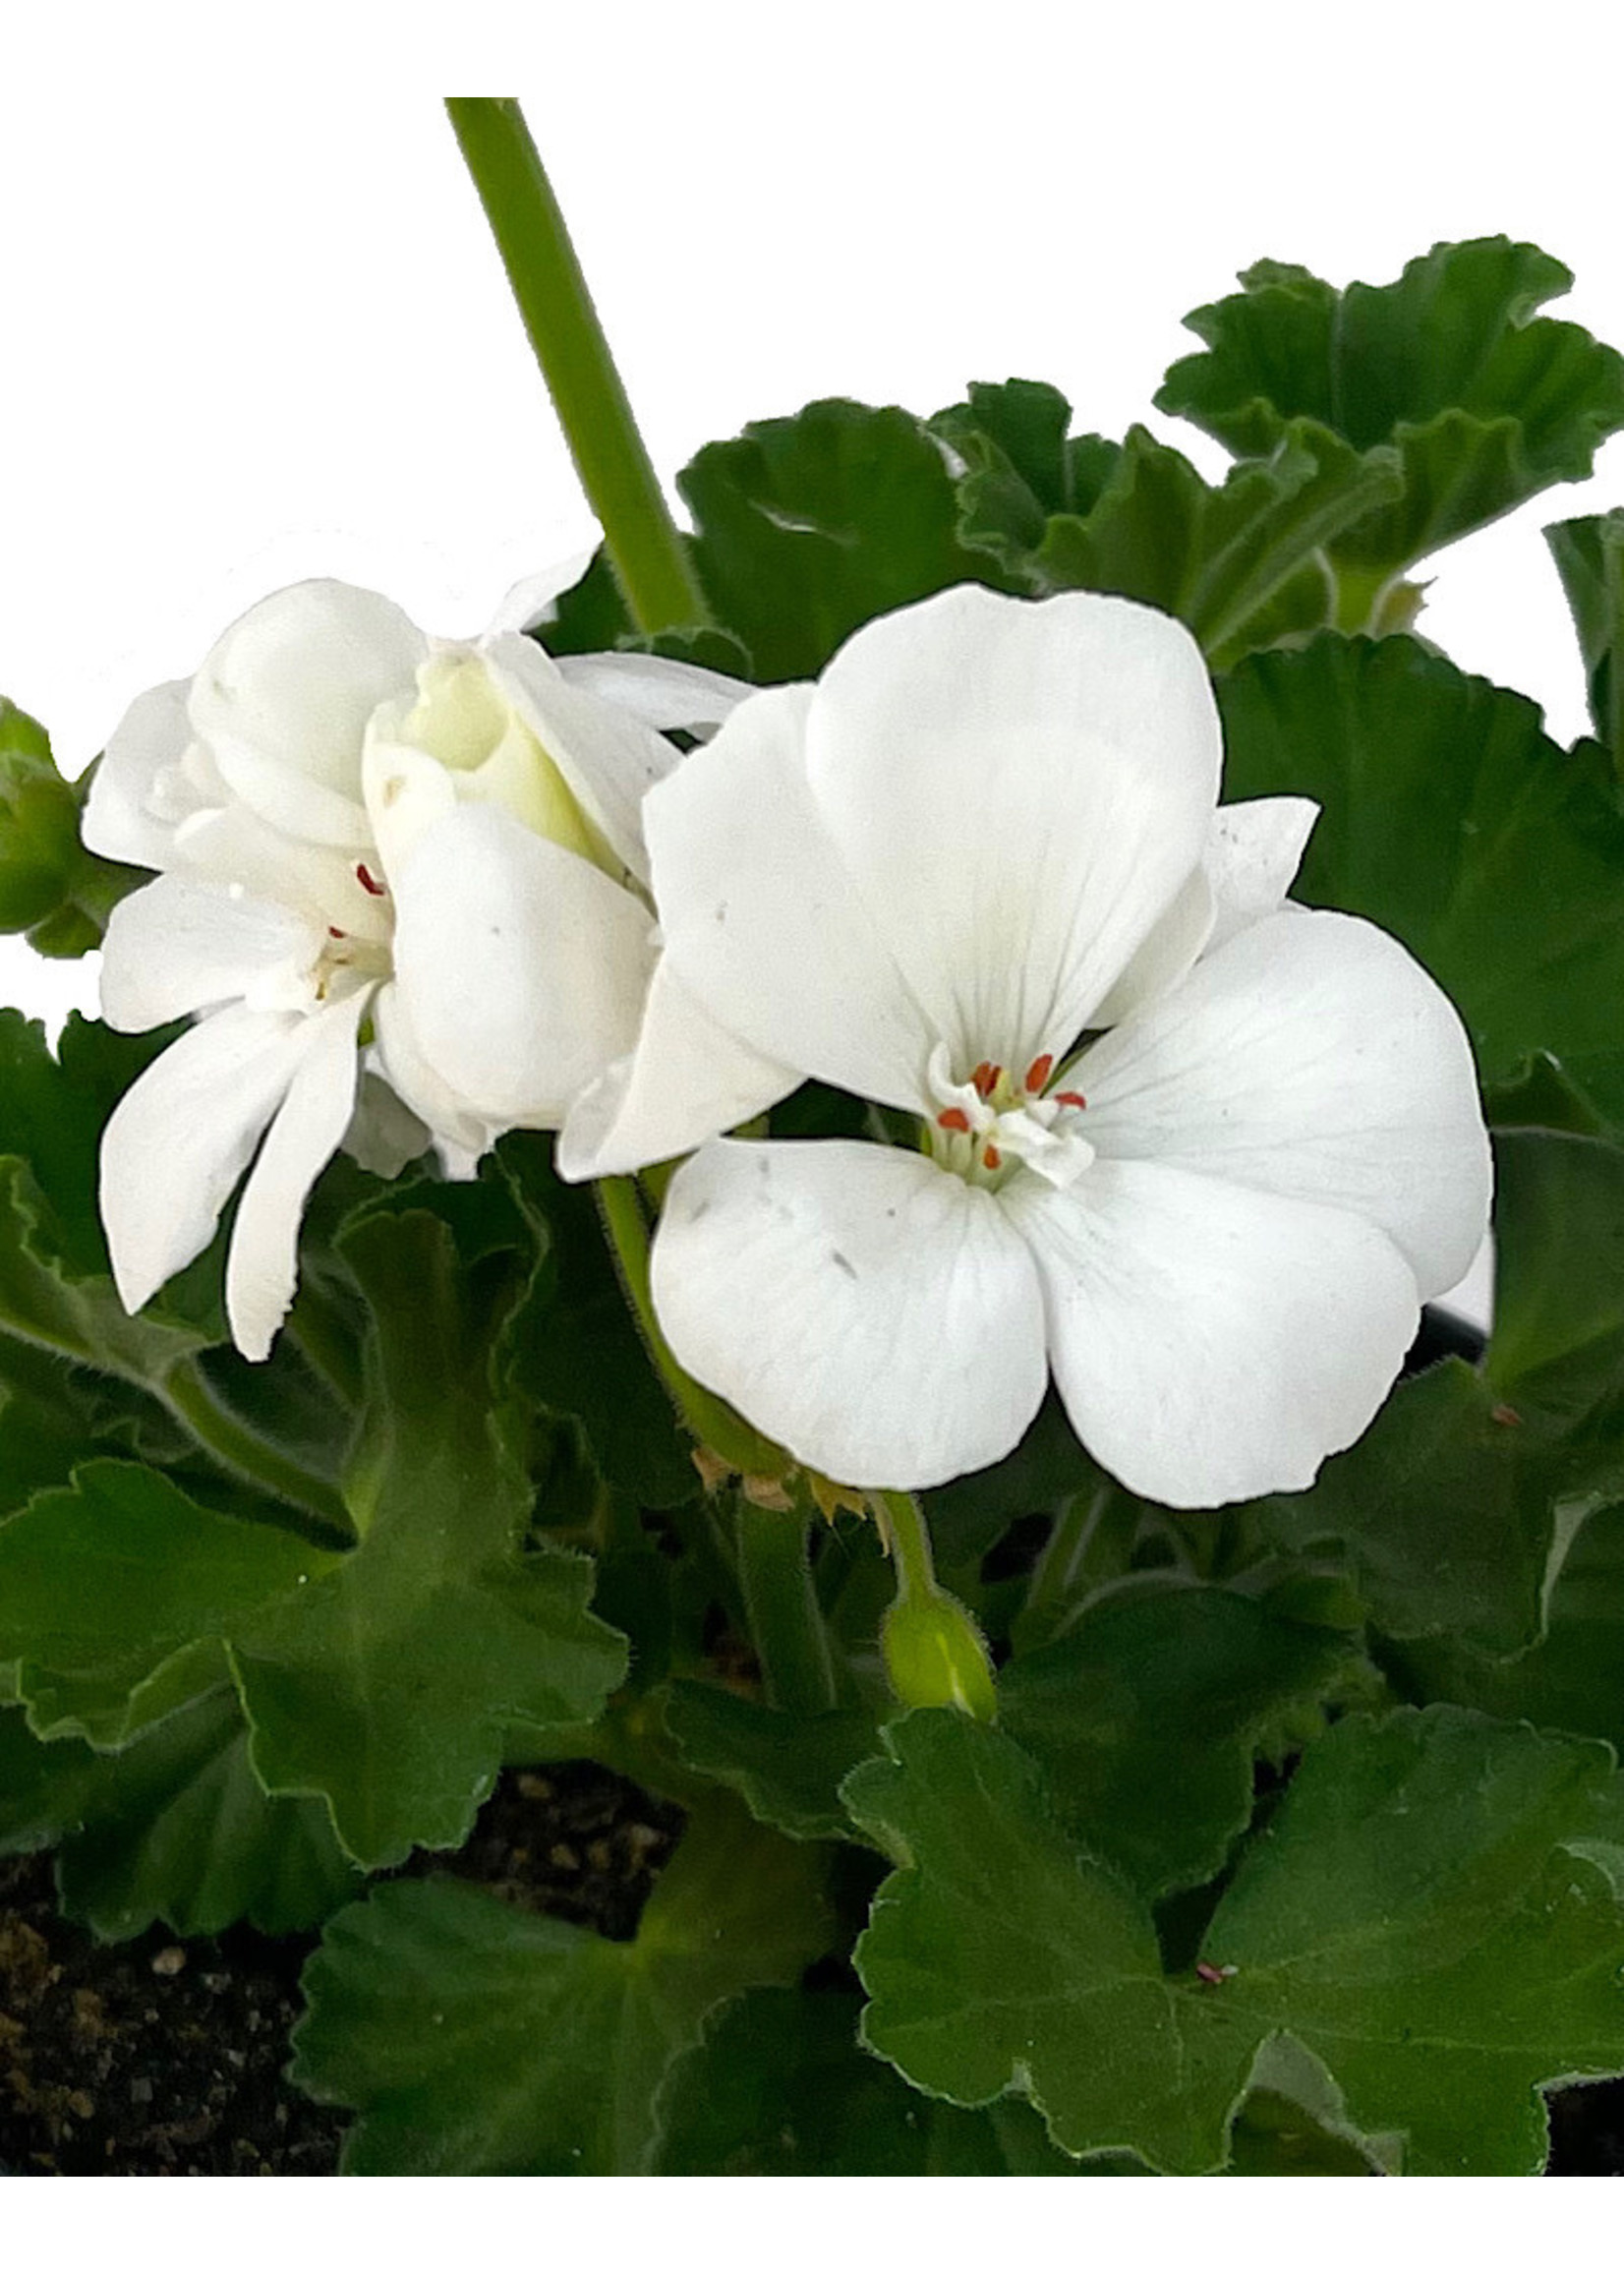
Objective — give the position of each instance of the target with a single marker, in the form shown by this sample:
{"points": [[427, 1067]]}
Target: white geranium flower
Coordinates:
{"points": [[379, 849], [986, 834]]}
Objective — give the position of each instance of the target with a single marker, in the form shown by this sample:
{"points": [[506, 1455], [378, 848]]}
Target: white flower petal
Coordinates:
{"points": [[458, 1133], [283, 697], [262, 1266], [687, 1079], [762, 920], [385, 1134], [658, 689], [182, 943], [610, 759], [534, 599], [119, 822], [1019, 789], [1314, 1058], [875, 1316], [1210, 1343], [181, 1137], [523, 968], [1254, 851]]}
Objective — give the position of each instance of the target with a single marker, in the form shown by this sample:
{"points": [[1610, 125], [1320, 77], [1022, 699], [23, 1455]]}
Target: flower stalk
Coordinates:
{"points": [[558, 316], [934, 1651]]}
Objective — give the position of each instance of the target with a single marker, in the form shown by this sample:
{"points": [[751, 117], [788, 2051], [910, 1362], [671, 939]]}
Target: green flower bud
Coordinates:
{"points": [[935, 1655]]}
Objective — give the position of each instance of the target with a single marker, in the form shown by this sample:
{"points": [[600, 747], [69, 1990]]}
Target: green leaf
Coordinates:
{"points": [[51, 887], [1240, 565], [572, 1347], [1150, 1712], [1573, 1679], [1589, 552], [389, 1683], [115, 1594], [1437, 1912], [780, 2089], [1451, 820], [475, 2039], [785, 1767], [804, 528], [999, 1958], [1458, 1505], [1486, 402], [175, 1827], [1435, 1915]]}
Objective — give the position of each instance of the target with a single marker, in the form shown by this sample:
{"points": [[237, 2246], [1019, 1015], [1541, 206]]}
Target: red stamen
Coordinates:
{"points": [[333, 933], [1072, 1097], [955, 1118], [985, 1078], [369, 883], [992, 1158], [1038, 1072]]}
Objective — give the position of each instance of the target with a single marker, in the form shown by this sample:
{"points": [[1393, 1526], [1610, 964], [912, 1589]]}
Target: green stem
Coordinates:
{"points": [[909, 1538], [568, 342], [1092, 1543], [781, 1608], [188, 1395], [719, 1430]]}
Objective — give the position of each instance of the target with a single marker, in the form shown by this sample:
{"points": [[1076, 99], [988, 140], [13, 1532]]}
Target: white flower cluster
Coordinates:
{"points": [[1195, 1152]]}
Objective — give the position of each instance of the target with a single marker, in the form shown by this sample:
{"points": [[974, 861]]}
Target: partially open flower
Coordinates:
{"points": [[419, 857], [1200, 1154]]}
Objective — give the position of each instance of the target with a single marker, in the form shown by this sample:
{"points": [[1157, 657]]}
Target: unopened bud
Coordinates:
{"points": [[935, 1655]]}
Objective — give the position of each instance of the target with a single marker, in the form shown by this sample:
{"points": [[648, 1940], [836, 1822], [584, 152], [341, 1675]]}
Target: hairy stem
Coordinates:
{"points": [[621, 487]]}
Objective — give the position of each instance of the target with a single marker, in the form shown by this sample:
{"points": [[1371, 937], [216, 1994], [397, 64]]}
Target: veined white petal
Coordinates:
{"points": [[1017, 788], [610, 759], [1309, 1057], [119, 820], [181, 1137], [874, 1315], [1253, 853], [283, 697], [761, 918], [687, 1079], [658, 689], [182, 943], [1212, 1342], [262, 1266], [523, 968]]}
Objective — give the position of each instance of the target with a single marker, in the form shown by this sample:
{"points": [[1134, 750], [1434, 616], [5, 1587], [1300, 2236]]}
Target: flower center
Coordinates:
{"points": [[986, 1130]]}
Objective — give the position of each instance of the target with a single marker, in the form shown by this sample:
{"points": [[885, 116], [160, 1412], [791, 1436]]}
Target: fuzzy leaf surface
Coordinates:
{"points": [[476, 2038], [1486, 401], [1149, 1714]]}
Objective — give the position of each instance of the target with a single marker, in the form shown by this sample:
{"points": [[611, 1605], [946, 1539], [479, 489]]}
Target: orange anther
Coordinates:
{"points": [[955, 1118], [1038, 1072], [1070, 1097], [992, 1158], [368, 882], [985, 1078]]}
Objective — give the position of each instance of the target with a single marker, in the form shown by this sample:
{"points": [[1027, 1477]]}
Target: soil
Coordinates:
{"points": [[156, 2058]]}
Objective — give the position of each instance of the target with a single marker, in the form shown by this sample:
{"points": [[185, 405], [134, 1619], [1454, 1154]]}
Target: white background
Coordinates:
{"points": [[254, 329]]}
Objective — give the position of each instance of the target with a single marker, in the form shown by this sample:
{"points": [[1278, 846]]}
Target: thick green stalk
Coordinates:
{"points": [[781, 1607], [568, 342]]}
